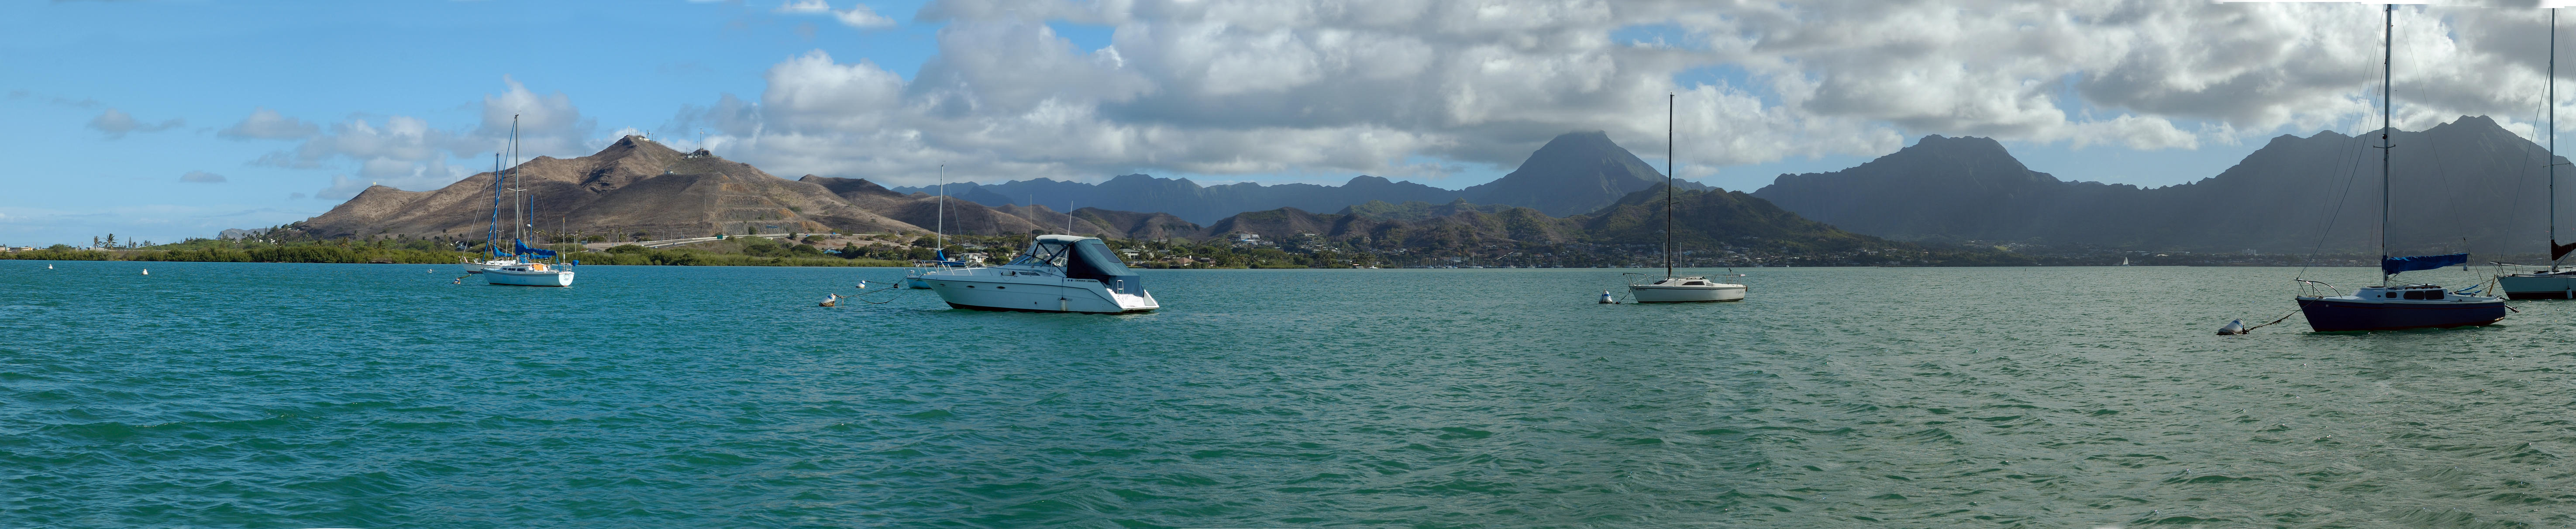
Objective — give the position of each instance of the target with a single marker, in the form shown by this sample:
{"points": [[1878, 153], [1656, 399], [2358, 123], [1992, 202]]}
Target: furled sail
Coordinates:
{"points": [[539, 252], [2393, 265]]}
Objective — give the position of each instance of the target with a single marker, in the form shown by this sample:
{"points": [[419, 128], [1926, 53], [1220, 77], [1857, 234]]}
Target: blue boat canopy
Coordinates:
{"points": [[539, 252], [2393, 265]]}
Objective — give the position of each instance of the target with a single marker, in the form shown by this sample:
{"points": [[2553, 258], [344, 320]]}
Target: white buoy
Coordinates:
{"points": [[1606, 299], [49, 266], [147, 271], [2233, 327], [863, 284], [831, 300]]}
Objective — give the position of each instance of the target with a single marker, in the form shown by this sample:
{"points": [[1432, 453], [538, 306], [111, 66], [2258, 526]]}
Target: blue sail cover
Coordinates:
{"points": [[2393, 265], [525, 250]]}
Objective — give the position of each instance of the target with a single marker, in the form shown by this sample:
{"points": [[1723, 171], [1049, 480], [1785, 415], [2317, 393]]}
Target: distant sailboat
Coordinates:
{"points": [[2392, 306], [2554, 283], [525, 272], [493, 257], [2124, 261], [1674, 288], [939, 231]]}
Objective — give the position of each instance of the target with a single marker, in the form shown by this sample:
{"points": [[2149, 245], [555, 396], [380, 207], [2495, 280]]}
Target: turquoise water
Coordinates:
{"points": [[280, 395]]}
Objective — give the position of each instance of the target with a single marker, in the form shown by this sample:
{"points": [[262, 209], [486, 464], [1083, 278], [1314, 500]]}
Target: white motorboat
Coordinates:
{"points": [[1674, 288], [1058, 273], [530, 274]]}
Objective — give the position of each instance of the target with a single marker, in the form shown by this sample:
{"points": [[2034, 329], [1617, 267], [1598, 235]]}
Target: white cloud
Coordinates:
{"points": [[116, 123], [409, 153], [1328, 86], [269, 125], [804, 7], [860, 16]]}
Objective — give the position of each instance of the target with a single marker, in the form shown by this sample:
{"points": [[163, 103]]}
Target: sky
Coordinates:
{"points": [[162, 120]]}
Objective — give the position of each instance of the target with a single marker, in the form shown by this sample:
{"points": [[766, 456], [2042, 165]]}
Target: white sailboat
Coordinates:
{"points": [[1674, 288], [493, 257], [2554, 283], [912, 277], [526, 273], [1058, 273]]}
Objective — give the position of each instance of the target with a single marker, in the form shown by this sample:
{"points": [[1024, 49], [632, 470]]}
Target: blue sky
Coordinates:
{"points": [[138, 118]]}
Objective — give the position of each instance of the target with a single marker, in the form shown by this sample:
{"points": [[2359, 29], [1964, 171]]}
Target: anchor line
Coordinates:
{"points": [[2284, 317]]}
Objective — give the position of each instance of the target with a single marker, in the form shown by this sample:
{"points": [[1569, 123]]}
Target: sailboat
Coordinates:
{"points": [[2554, 283], [2397, 305], [525, 272], [493, 257], [1674, 288], [939, 230]]}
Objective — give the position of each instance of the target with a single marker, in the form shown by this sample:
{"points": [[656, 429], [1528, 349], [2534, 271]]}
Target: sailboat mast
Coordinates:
{"points": [[1668, 184], [2387, 93], [2552, 158], [518, 205], [940, 232]]}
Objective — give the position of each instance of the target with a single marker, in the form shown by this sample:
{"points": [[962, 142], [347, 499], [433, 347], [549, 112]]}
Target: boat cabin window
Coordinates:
{"points": [[1695, 283], [2423, 294], [2389, 295], [1045, 254]]}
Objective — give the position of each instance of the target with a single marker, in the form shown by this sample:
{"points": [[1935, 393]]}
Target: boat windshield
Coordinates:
{"points": [[1045, 253]]}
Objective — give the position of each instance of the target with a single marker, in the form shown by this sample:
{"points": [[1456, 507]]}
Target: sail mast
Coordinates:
{"points": [[1668, 184], [2388, 46], [2552, 157], [940, 232], [518, 206]]}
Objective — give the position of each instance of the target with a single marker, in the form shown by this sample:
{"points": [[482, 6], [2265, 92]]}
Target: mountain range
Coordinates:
{"points": [[1574, 173], [639, 188], [2468, 185]]}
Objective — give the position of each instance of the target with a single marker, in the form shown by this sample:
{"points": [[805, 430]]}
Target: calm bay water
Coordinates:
{"points": [[277, 395]]}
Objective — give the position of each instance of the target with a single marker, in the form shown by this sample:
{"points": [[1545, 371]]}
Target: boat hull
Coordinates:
{"points": [[1680, 294], [1032, 296], [2537, 286], [2331, 315], [549, 278], [472, 267], [916, 282]]}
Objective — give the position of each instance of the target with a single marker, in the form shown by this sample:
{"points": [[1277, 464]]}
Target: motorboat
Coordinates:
{"points": [[1058, 273]]}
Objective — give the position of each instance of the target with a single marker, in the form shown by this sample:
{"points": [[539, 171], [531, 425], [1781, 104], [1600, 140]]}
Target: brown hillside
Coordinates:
{"points": [[634, 185]]}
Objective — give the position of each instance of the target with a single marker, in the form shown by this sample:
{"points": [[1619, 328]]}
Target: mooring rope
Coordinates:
{"points": [[2284, 317]]}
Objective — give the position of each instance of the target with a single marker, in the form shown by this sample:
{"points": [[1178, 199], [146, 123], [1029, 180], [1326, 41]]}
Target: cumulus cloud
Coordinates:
{"points": [[269, 125], [410, 153], [857, 16], [116, 124], [1327, 86], [202, 177], [860, 16]]}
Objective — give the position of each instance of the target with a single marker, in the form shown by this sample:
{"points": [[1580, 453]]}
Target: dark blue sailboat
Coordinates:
{"points": [[2397, 305]]}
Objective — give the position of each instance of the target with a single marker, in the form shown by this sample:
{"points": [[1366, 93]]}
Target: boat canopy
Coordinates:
{"points": [[525, 250], [2393, 265], [1083, 258]]}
